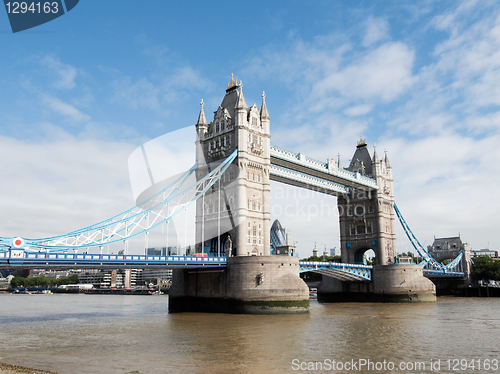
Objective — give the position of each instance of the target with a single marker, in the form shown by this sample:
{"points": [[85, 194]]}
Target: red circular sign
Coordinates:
{"points": [[18, 242]]}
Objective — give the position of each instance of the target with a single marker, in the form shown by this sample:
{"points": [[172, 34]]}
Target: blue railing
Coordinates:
{"points": [[76, 260]]}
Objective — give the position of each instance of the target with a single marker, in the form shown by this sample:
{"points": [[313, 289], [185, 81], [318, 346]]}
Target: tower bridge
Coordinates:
{"points": [[229, 187]]}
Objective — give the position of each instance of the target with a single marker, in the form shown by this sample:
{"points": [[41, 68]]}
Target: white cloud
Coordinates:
{"points": [[61, 108], [376, 30], [160, 92], [64, 184], [470, 56], [384, 73], [65, 74], [447, 184], [358, 110], [141, 94]]}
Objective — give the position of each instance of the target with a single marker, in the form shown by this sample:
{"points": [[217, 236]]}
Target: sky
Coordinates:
{"points": [[419, 79]]}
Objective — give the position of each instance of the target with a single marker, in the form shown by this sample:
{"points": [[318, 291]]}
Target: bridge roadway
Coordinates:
{"points": [[20, 258]]}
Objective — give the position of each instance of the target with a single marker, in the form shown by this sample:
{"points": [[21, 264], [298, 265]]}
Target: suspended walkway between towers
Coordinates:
{"points": [[301, 171]]}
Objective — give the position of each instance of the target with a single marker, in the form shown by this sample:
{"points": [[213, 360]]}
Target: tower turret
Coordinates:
{"points": [[367, 216], [241, 108], [386, 160], [375, 162], [201, 124], [264, 115]]}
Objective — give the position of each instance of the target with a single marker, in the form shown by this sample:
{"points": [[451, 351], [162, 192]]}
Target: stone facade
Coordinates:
{"points": [[237, 210], [367, 218], [448, 249], [249, 284], [390, 283], [402, 283]]}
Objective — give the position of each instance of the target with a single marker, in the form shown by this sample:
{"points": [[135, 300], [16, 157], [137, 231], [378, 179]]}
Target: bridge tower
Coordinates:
{"points": [[240, 204], [233, 219], [367, 219]]}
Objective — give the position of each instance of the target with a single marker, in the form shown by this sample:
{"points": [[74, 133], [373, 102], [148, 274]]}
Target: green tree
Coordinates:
{"points": [[485, 268], [17, 282], [73, 279], [372, 261], [42, 281], [323, 258], [312, 258]]}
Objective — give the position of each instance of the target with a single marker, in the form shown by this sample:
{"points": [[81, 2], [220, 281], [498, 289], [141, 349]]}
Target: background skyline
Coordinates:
{"points": [[80, 93]]}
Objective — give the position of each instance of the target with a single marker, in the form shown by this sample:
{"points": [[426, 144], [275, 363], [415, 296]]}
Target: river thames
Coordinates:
{"points": [[76, 334]]}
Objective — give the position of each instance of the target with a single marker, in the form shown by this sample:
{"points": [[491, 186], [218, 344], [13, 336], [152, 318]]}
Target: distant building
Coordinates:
{"points": [[281, 240], [484, 252], [156, 251], [161, 251], [49, 273], [111, 278], [5, 273], [155, 275], [448, 249], [332, 251], [4, 282]]}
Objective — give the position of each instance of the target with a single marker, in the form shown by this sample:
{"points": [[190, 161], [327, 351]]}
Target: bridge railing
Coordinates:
{"points": [[444, 272], [97, 260], [334, 264], [308, 179], [301, 159]]}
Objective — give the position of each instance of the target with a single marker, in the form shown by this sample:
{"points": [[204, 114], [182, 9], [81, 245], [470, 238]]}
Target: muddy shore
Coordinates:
{"points": [[16, 369]]}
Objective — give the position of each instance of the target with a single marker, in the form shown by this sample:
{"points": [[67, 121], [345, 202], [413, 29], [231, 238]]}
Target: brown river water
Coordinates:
{"points": [[76, 334]]}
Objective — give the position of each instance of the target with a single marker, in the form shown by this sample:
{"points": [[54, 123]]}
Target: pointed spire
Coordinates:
{"points": [[201, 118], [240, 104], [387, 163], [339, 163], [375, 159], [361, 142], [263, 109], [232, 84]]}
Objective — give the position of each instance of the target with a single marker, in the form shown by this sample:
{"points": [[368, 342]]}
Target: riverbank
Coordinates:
{"points": [[16, 369]]}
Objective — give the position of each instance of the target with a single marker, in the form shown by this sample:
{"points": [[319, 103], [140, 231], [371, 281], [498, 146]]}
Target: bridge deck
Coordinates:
{"points": [[66, 260], [25, 259]]}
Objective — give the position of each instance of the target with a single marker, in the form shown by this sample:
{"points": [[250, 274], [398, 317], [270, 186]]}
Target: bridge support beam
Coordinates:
{"points": [[249, 284], [390, 283]]}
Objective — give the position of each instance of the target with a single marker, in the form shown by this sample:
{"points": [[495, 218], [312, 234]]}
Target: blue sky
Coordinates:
{"points": [[421, 80]]}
